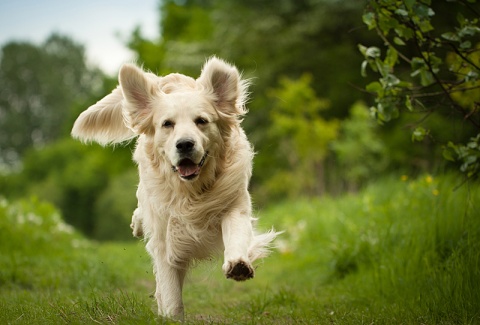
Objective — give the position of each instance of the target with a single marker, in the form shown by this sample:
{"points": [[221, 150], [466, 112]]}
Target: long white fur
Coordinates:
{"points": [[183, 221]]}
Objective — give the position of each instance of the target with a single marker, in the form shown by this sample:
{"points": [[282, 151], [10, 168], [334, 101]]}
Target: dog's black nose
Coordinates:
{"points": [[185, 145]]}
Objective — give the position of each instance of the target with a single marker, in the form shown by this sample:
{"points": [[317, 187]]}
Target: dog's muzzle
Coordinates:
{"points": [[188, 169]]}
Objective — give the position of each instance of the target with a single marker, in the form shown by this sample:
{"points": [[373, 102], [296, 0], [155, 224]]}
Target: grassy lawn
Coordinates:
{"points": [[400, 252]]}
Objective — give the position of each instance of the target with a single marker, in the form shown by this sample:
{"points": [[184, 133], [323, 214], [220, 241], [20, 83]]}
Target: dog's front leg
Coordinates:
{"points": [[237, 235], [169, 285]]}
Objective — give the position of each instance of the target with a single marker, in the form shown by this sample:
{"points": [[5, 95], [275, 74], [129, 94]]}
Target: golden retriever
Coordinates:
{"points": [[195, 164]]}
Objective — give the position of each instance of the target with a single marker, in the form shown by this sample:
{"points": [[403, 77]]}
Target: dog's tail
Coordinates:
{"points": [[262, 244], [104, 121]]}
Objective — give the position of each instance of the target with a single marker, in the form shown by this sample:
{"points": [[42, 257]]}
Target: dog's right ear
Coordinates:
{"points": [[138, 92]]}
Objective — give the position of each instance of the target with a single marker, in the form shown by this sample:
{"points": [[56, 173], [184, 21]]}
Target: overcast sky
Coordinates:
{"points": [[100, 25]]}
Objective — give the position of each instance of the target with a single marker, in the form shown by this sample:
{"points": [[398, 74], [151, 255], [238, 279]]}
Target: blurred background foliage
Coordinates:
{"points": [[309, 114]]}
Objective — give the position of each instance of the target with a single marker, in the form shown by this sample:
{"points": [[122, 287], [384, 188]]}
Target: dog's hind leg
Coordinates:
{"points": [[137, 217], [137, 224], [237, 235]]}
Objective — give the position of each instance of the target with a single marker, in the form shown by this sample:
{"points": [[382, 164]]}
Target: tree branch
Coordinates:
{"points": [[439, 82]]}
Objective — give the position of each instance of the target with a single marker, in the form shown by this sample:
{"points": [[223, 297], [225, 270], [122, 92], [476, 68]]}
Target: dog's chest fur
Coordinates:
{"points": [[186, 217]]}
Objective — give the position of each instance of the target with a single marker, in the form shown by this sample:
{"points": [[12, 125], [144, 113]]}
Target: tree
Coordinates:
{"points": [[430, 66], [360, 151], [303, 138], [79, 180], [39, 86]]}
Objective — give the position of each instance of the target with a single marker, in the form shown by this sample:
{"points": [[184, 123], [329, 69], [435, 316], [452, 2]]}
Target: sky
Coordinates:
{"points": [[99, 25]]}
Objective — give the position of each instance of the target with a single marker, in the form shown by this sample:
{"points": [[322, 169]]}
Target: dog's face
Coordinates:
{"points": [[186, 118], [186, 131]]}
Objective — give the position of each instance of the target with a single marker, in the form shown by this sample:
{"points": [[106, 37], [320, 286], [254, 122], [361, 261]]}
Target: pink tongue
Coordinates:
{"points": [[187, 169]]}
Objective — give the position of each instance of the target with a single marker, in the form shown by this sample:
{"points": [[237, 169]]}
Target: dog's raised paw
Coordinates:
{"points": [[240, 271]]}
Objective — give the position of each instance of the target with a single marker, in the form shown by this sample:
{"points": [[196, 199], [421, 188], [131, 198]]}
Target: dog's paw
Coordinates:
{"points": [[239, 271]]}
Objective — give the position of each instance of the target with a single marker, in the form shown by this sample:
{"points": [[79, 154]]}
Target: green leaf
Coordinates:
{"points": [[450, 36], [387, 110], [419, 134], [471, 76], [405, 84], [425, 26], [369, 20], [404, 32], [472, 145], [363, 69], [391, 57], [426, 78], [466, 45], [398, 41], [362, 49], [449, 152], [417, 63], [375, 87], [423, 12], [408, 103], [409, 4], [373, 52], [390, 80], [469, 31]]}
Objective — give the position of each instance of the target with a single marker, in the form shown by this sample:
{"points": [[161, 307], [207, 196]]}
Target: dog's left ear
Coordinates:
{"points": [[223, 83]]}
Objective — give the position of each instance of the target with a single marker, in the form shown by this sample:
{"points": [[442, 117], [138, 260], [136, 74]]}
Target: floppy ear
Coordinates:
{"points": [[223, 83], [103, 121], [138, 92]]}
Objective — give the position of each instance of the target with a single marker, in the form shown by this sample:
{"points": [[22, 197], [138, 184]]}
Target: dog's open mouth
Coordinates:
{"points": [[187, 169]]}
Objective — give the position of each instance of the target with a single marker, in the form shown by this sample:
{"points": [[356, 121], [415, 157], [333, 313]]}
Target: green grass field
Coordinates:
{"points": [[399, 252]]}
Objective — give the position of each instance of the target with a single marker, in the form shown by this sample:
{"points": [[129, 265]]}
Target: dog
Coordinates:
{"points": [[195, 164]]}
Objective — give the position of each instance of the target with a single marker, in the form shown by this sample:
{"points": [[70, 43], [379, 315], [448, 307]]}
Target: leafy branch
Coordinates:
{"points": [[432, 71]]}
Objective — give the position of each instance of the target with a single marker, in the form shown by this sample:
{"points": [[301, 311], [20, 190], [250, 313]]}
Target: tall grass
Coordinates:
{"points": [[50, 274], [409, 250], [400, 252]]}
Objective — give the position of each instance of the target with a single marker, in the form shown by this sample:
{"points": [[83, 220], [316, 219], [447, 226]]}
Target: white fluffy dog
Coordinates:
{"points": [[195, 164]]}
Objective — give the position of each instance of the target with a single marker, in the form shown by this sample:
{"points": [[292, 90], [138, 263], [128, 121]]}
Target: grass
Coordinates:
{"points": [[400, 252]]}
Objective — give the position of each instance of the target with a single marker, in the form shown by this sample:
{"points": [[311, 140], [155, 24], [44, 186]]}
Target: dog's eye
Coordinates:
{"points": [[200, 121], [167, 124]]}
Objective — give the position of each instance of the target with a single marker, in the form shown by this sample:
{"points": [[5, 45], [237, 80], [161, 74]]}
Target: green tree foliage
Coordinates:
{"points": [[359, 149], [39, 85], [310, 132], [44, 88], [186, 30], [73, 176], [303, 138], [114, 207], [429, 65], [269, 42]]}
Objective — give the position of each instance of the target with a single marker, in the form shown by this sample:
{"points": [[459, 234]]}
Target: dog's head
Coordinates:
{"points": [[188, 120]]}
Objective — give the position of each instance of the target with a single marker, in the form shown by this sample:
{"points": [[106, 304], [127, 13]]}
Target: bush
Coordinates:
{"points": [[35, 245], [115, 206], [73, 177]]}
